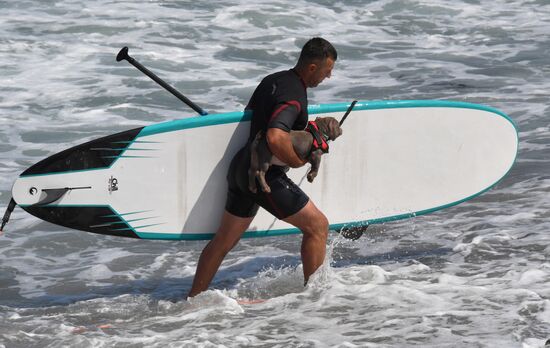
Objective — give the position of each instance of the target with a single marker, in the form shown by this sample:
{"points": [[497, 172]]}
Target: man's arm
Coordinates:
{"points": [[281, 147]]}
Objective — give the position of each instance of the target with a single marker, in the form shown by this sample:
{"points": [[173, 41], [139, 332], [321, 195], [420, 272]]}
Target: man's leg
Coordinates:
{"points": [[314, 226], [230, 231]]}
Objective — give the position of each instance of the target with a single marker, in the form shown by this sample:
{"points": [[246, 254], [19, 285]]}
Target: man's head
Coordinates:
{"points": [[316, 61]]}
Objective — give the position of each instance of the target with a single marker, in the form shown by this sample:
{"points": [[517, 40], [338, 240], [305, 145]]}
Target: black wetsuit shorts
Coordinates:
{"points": [[286, 198]]}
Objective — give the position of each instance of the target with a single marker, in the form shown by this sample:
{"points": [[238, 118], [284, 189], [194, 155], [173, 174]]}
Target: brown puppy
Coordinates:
{"points": [[261, 157]]}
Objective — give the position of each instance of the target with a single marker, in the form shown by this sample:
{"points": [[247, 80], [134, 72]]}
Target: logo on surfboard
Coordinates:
{"points": [[113, 184]]}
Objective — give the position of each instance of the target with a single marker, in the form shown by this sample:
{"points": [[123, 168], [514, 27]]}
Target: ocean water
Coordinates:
{"points": [[475, 275]]}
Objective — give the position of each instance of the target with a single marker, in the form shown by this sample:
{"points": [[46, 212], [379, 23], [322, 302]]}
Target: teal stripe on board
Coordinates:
{"points": [[194, 122], [210, 120]]}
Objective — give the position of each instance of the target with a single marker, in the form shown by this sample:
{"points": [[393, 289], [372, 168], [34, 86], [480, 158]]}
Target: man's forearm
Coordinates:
{"points": [[281, 147]]}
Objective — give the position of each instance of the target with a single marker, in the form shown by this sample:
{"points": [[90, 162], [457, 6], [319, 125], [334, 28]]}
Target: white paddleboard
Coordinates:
{"points": [[395, 159]]}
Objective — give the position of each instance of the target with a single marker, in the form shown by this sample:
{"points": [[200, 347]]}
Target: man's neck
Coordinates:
{"points": [[302, 74]]}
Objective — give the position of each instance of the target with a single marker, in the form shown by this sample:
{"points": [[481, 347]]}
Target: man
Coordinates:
{"points": [[278, 105]]}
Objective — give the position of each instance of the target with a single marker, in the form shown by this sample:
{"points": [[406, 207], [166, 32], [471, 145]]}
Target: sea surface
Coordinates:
{"points": [[474, 275]]}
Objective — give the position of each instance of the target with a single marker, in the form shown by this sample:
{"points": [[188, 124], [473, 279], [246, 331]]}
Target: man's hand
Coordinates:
{"points": [[281, 147]]}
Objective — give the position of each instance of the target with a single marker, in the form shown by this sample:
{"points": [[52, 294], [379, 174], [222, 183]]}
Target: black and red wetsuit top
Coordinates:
{"points": [[279, 101]]}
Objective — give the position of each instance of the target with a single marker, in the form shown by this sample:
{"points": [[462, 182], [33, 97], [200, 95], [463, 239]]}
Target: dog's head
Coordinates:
{"points": [[329, 127]]}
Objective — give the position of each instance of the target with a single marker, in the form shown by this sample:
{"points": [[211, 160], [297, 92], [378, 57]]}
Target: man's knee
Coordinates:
{"points": [[317, 226], [311, 221]]}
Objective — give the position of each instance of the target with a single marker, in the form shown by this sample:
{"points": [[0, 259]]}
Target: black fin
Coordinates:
{"points": [[52, 195]]}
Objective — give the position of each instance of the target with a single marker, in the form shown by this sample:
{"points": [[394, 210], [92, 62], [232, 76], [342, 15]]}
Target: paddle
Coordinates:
{"points": [[123, 55], [354, 232], [7, 214], [348, 112]]}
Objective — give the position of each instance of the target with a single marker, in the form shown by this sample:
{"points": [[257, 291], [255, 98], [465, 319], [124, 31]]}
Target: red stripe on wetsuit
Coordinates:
{"points": [[284, 106]]}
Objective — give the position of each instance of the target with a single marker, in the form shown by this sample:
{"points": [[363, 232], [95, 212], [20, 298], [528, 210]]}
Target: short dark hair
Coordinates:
{"points": [[317, 49]]}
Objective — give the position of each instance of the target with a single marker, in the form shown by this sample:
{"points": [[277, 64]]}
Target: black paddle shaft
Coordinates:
{"points": [[123, 55], [7, 214], [348, 112]]}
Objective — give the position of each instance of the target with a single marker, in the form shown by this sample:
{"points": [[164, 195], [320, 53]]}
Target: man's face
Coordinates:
{"points": [[320, 71]]}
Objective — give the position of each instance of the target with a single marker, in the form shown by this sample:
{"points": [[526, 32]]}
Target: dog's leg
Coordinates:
{"points": [[315, 160], [263, 182], [264, 162]]}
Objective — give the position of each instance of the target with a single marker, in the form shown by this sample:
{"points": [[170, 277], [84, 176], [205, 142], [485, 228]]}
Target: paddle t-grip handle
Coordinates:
{"points": [[123, 55]]}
